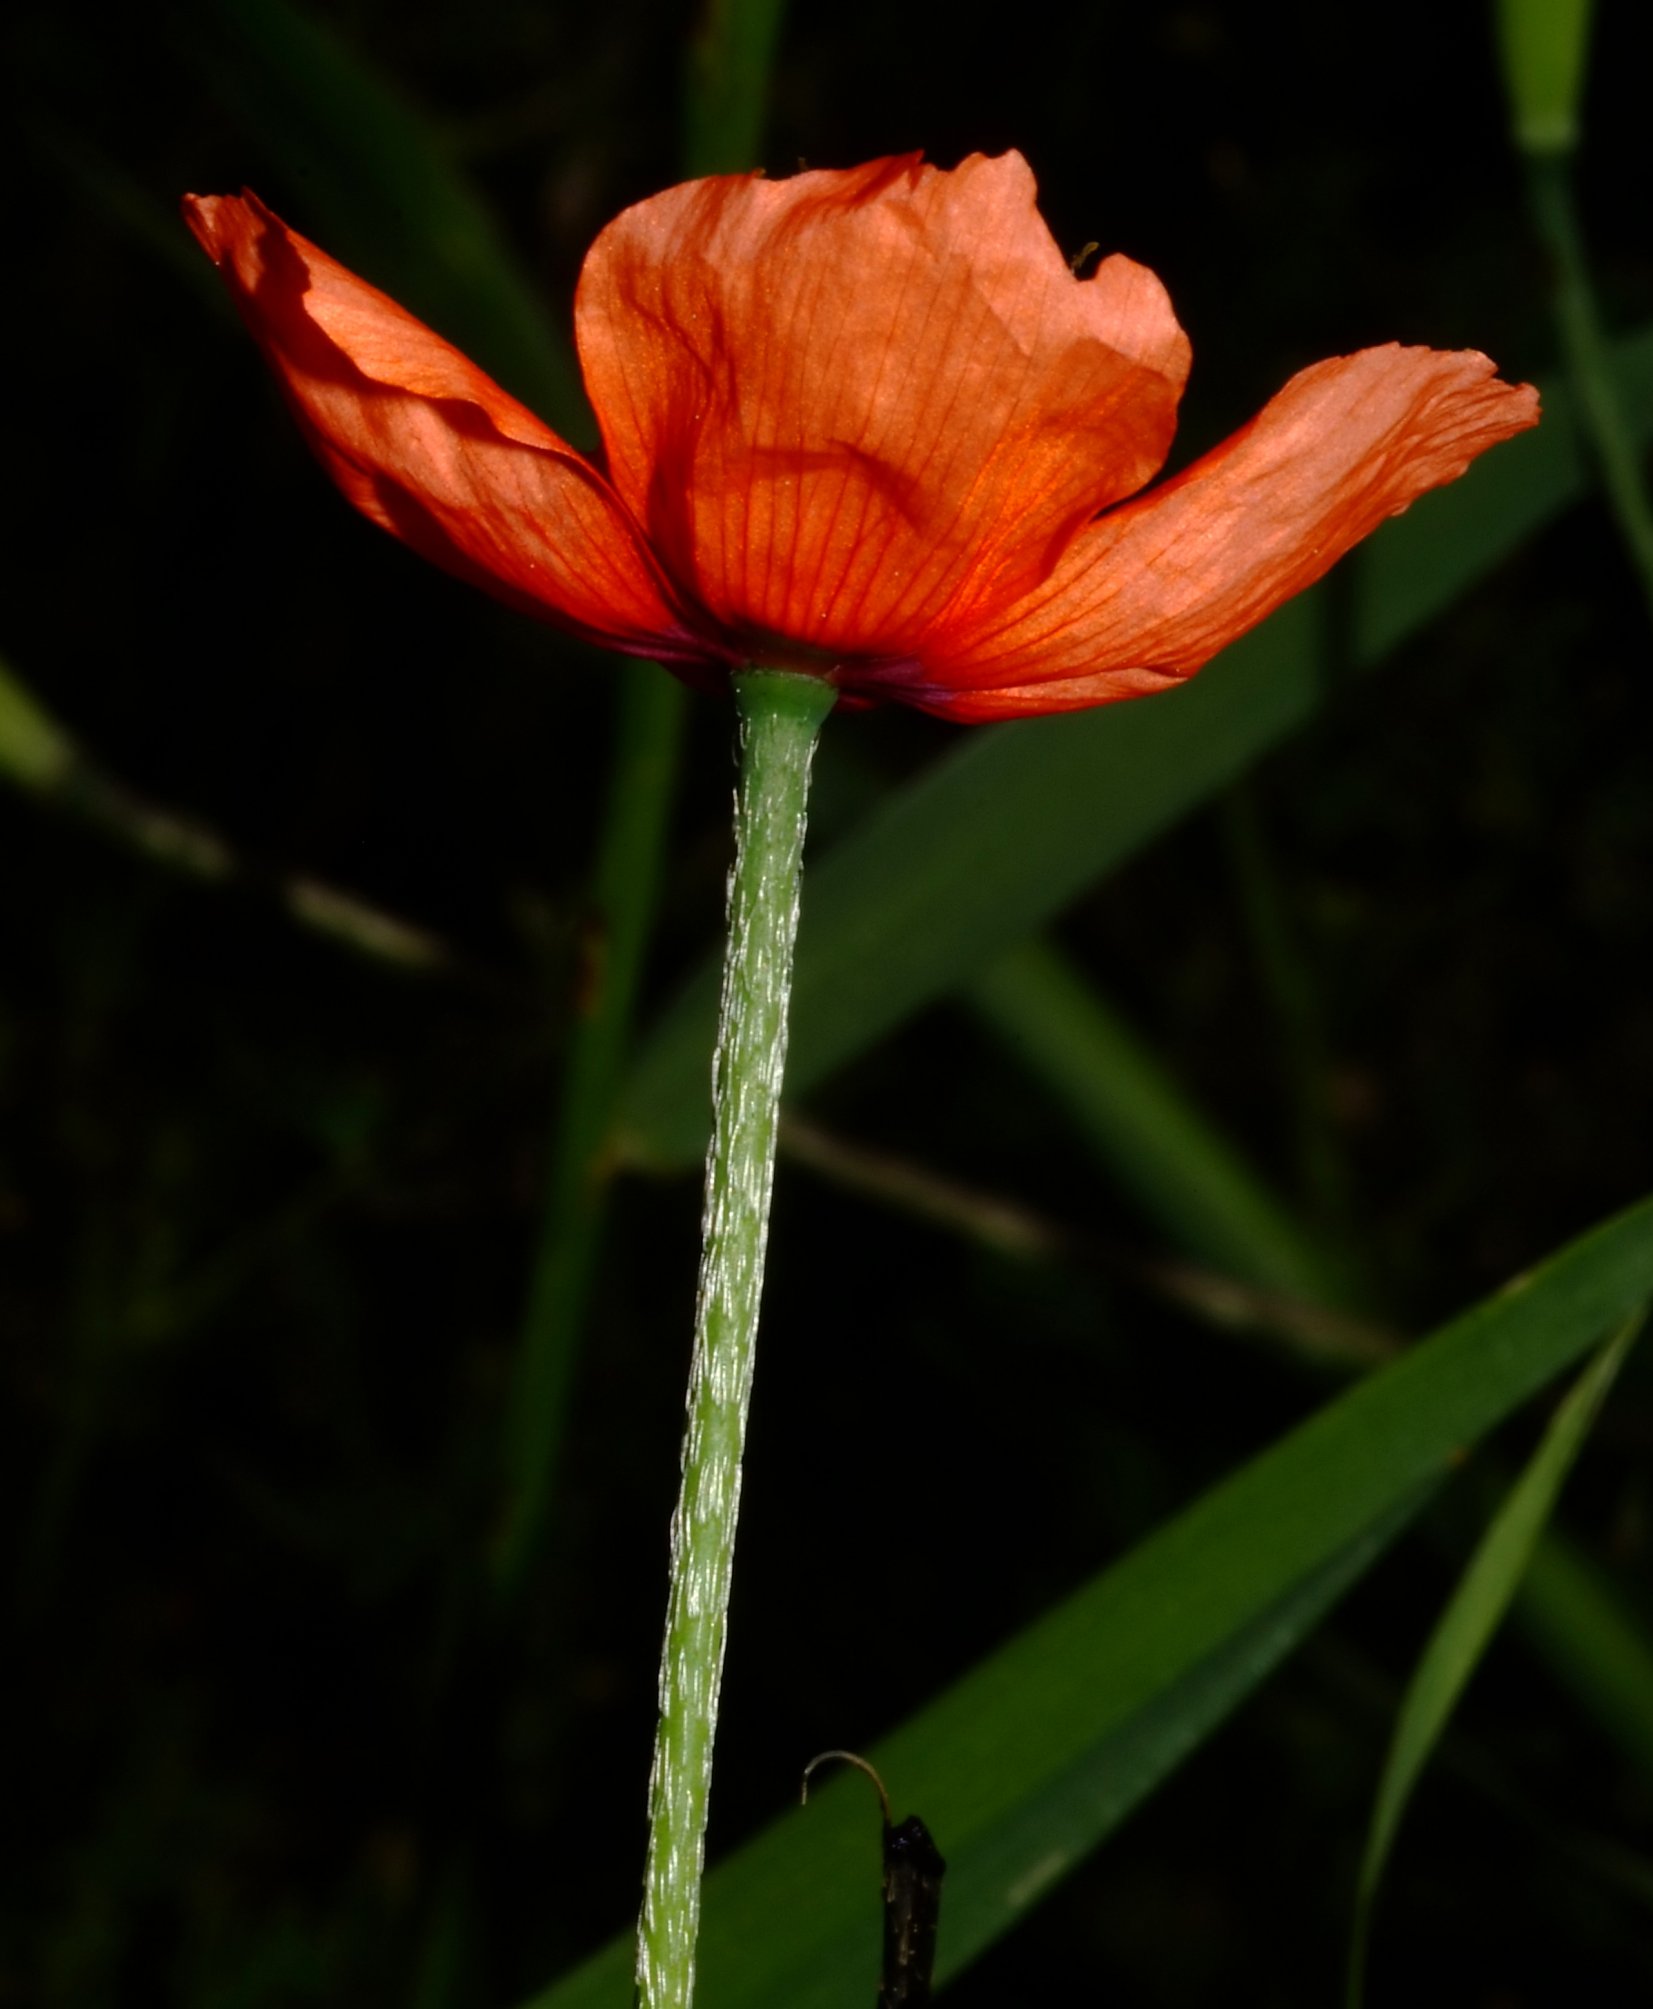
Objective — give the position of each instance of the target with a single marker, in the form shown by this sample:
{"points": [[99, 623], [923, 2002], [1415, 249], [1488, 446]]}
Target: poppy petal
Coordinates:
{"points": [[431, 449], [1155, 588], [845, 404]]}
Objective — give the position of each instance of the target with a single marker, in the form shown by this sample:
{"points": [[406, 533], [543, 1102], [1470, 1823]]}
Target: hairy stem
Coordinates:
{"points": [[780, 716]]}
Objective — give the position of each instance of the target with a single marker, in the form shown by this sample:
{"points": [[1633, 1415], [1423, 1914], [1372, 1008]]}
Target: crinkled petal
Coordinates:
{"points": [[425, 444], [1155, 588], [847, 404]]}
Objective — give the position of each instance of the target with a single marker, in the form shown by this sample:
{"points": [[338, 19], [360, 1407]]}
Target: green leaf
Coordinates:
{"points": [[1206, 1200], [1039, 1752], [1472, 1616], [1184, 1175], [996, 838]]}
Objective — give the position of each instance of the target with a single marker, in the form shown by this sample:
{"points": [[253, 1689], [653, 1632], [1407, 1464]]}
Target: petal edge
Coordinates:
{"points": [[1155, 588], [431, 449]]}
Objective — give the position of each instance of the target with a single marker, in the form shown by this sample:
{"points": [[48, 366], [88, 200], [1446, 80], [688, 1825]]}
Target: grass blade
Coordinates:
{"points": [[1206, 1201], [1577, 1619], [1471, 1618], [1180, 1171], [1157, 1645]]}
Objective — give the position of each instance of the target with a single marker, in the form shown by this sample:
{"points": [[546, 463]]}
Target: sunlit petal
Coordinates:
{"points": [[1156, 587], [421, 441], [846, 403], [865, 424]]}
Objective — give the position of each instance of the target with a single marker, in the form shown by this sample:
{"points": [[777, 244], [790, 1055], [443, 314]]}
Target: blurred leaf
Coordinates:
{"points": [[35, 751], [1039, 1752], [995, 839], [1607, 418], [726, 98], [1471, 1617], [382, 194], [1576, 1617], [1184, 1175], [122, 204], [622, 901], [1545, 45]]}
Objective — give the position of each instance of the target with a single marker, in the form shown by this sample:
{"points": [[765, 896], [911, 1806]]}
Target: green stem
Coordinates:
{"points": [[780, 716], [1608, 435], [623, 901]]}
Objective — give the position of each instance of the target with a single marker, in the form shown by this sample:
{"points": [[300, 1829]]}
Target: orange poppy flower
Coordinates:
{"points": [[865, 424]]}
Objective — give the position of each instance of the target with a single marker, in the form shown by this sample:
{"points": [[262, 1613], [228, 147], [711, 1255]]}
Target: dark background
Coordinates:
{"points": [[266, 1207]]}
